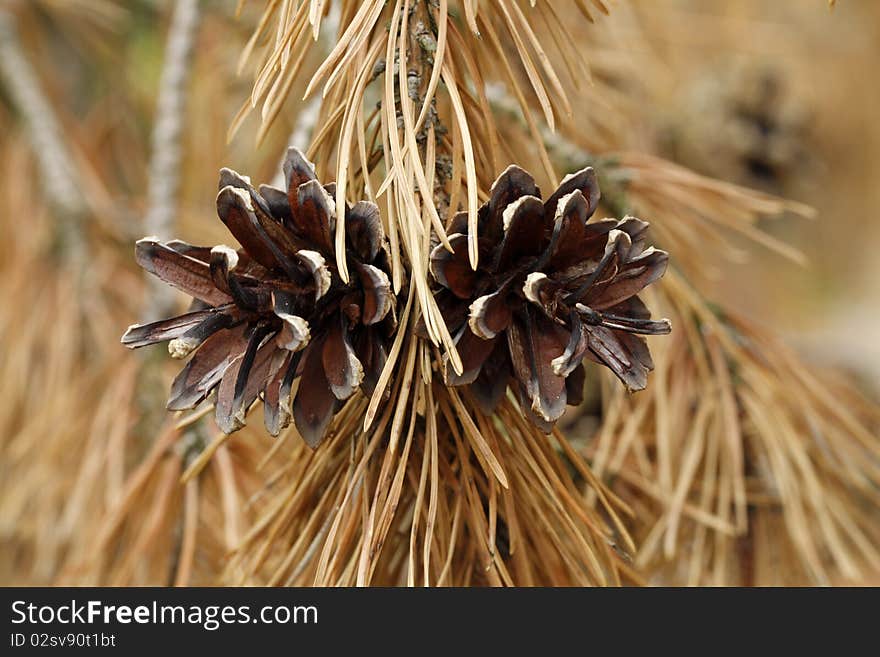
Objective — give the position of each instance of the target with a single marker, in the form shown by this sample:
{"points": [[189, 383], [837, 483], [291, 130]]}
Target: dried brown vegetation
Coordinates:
{"points": [[741, 462]]}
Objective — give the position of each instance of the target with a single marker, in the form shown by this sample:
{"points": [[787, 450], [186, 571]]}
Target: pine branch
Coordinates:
{"points": [[162, 193]]}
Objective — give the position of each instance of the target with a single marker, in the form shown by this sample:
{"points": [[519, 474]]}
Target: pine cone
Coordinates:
{"points": [[276, 309], [551, 288]]}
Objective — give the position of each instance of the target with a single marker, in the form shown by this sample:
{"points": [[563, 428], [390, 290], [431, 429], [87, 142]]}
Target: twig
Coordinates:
{"points": [[166, 152]]}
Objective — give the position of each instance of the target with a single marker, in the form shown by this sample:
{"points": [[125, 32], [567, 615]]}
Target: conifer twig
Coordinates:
{"points": [[166, 152]]}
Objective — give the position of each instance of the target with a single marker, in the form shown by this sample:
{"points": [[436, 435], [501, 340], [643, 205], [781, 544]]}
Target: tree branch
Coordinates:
{"points": [[164, 175]]}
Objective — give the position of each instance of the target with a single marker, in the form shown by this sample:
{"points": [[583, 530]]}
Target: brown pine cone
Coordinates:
{"points": [[551, 288], [276, 309]]}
